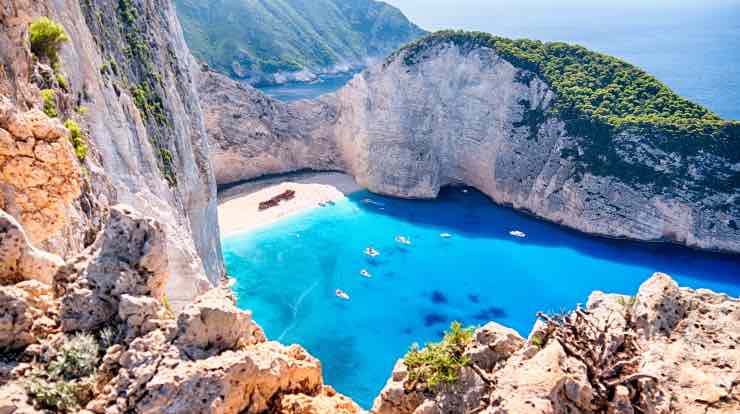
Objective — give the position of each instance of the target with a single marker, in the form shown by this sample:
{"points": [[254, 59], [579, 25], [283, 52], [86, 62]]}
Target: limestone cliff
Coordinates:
{"points": [[124, 77], [447, 112]]}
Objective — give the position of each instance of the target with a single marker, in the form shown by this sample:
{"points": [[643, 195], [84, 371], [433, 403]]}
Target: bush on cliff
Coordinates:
{"points": [[439, 363], [77, 138], [66, 382], [49, 97], [46, 38]]}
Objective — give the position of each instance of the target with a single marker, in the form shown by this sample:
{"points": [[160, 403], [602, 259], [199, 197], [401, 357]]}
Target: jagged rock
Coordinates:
{"points": [[157, 163], [19, 260], [213, 323], [25, 311], [686, 361], [233, 382], [493, 343], [129, 259], [659, 306], [39, 170], [327, 402]]}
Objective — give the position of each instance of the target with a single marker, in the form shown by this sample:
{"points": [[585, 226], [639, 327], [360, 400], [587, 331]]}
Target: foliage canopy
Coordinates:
{"points": [[440, 363], [46, 38]]}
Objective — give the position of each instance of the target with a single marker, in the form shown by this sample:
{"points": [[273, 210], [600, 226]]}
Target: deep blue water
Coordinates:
{"points": [[691, 45], [294, 91], [287, 274]]}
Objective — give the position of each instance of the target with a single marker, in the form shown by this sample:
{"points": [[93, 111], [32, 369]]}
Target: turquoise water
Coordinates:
{"points": [[287, 274], [294, 91]]}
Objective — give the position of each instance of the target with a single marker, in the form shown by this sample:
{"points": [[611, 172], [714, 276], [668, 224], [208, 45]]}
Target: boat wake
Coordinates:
{"points": [[295, 307]]}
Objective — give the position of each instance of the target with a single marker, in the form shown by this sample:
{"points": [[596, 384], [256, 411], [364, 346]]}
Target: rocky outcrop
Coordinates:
{"points": [[445, 114], [667, 350], [129, 259], [211, 358], [125, 76], [40, 176], [19, 259]]}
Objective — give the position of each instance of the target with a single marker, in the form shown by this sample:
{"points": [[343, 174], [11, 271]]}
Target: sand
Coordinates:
{"points": [[238, 206]]}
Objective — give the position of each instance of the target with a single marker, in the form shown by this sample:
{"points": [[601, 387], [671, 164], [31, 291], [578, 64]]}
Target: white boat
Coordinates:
{"points": [[365, 273], [403, 240], [517, 233], [342, 294], [372, 252], [445, 235]]}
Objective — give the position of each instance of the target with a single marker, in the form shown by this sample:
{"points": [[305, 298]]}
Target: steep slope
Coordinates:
{"points": [[569, 135], [124, 79], [273, 41]]}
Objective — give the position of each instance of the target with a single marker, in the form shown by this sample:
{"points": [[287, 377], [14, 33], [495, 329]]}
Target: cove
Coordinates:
{"points": [[287, 275]]}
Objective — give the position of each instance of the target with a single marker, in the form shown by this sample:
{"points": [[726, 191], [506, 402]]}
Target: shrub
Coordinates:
{"points": [[62, 81], [67, 382], [77, 358], [440, 363], [50, 102], [77, 138], [46, 38], [55, 395]]}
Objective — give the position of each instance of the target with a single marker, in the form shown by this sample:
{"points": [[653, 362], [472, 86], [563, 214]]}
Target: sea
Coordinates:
{"points": [[288, 273]]}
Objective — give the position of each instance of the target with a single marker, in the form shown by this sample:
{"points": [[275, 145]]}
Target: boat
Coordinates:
{"points": [[372, 252], [342, 294], [445, 235], [403, 240], [517, 233], [365, 273]]}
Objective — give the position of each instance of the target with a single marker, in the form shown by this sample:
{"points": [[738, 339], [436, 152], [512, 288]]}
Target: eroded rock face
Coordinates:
{"points": [[142, 122], [130, 259], [686, 361], [26, 314], [19, 259], [462, 116], [40, 175]]}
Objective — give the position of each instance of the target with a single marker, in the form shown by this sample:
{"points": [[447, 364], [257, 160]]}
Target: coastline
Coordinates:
{"points": [[238, 205]]}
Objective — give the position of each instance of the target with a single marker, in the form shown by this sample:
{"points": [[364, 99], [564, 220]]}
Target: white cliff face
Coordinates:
{"points": [[155, 160], [463, 117]]}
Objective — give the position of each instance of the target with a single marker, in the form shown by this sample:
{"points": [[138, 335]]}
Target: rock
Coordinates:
{"points": [[130, 259], [19, 260], [659, 306], [31, 153], [493, 343], [24, 315], [327, 402], [214, 323], [233, 382]]}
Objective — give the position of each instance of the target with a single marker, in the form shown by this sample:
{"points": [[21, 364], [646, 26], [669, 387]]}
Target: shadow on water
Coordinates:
{"points": [[495, 222]]}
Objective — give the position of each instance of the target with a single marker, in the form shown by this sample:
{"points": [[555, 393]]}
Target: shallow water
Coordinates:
{"points": [[287, 274], [295, 91]]}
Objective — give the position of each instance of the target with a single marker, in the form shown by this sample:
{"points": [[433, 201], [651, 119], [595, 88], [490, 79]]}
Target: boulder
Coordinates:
{"points": [[213, 324], [25, 314], [19, 259], [128, 259]]}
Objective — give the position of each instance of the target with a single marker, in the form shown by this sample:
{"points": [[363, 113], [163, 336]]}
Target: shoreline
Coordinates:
{"points": [[238, 205]]}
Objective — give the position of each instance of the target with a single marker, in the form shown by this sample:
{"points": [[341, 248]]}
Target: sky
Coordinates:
{"points": [[482, 14]]}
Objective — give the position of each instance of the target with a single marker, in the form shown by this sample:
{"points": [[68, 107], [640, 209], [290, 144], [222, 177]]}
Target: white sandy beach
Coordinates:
{"points": [[238, 206]]}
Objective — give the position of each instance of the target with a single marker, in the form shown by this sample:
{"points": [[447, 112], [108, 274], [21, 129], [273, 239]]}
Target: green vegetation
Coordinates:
{"points": [[50, 103], [440, 363], [66, 382], [241, 38], [600, 97], [149, 103], [46, 38], [79, 142], [62, 81]]}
